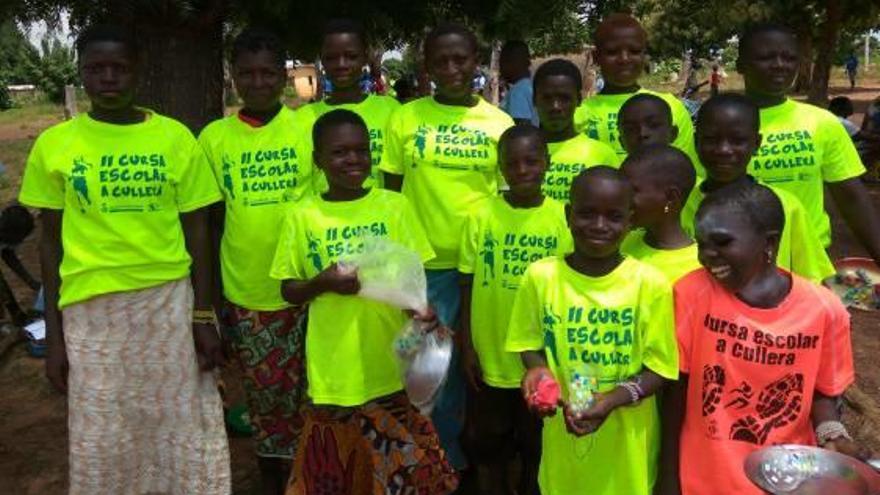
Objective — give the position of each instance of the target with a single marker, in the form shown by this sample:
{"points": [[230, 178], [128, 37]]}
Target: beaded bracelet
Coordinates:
{"points": [[635, 391], [204, 316], [827, 431]]}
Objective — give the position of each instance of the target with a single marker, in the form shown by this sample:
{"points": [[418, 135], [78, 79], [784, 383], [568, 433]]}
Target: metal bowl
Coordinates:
{"points": [[802, 470], [426, 372]]}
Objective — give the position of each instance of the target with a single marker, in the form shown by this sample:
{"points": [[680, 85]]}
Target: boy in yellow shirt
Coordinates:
{"points": [[360, 424], [262, 166], [621, 52], [441, 153], [662, 178], [643, 120], [597, 322], [343, 56], [727, 138], [804, 147], [557, 93], [500, 241]]}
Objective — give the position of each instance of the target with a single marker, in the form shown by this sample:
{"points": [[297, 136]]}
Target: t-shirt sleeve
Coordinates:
{"points": [[661, 351], [196, 185], [524, 332], [393, 146], [213, 162], [469, 245], [683, 300], [609, 156], [808, 256], [682, 119], [40, 187], [413, 234], [840, 160], [836, 370], [519, 103], [288, 261]]}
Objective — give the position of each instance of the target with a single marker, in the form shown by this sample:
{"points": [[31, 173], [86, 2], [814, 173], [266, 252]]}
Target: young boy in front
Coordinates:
{"points": [[359, 421], [598, 320], [621, 52], [500, 241]]}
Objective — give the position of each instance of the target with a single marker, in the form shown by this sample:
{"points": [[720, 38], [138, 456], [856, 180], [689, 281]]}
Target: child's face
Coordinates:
{"points": [[644, 124], [726, 141], [523, 163], [343, 56], [770, 63], [729, 247], [258, 79], [599, 216], [452, 61], [622, 56], [109, 74], [344, 156], [556, 99], [648, 197]]}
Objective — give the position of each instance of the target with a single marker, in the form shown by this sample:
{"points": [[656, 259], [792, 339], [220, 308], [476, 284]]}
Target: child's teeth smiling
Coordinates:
{"points": [[720, 271]]}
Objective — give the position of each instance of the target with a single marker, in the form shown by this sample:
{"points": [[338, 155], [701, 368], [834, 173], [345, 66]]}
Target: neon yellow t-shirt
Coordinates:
{"points": [[803, 147], [375, 110], [349, 355], [448, 157], [674, 263], [800, 250], [597, 118], [122, 189], [499, 243], [610, 327], [261, 171], [568, 158]]}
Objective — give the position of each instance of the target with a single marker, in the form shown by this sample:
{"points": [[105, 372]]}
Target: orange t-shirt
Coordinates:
{"points": [[752, 374]]}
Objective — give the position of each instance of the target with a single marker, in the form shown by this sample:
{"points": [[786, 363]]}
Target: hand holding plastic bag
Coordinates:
{"points": [[391, 273]]}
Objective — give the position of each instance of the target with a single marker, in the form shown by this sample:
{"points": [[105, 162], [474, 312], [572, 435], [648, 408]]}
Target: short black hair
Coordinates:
{"points": [[16, 223], [647, 98], [753, 31], [755, 202], [519, 131], [333, 119], [735, 100], [346, 25], [97, 33], [517, 48], [841, 106], [665, 165], [614, 20], [595, 173], [446, 28], [256, 39], [558, 67]]}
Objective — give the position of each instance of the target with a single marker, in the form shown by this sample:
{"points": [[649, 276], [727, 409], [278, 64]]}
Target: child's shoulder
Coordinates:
{"points": [[546, 268], [790, 202], [643, 273], [61, 131], [217, 127], [384, 100], [812, 294], [694, 282]]}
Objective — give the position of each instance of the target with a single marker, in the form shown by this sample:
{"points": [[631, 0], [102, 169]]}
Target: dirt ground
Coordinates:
{"points": [[33, 431]]}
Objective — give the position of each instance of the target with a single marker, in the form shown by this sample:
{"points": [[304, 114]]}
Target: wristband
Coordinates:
{"points": [[635, 391], [204, 316], [827, 431]]}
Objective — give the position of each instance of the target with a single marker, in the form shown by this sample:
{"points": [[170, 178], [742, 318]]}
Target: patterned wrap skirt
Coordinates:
{"points": [[143, 418], [269, 347], [385, 447]]}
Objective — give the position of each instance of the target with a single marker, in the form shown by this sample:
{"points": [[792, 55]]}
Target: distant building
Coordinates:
{"points": [[304, 78]]}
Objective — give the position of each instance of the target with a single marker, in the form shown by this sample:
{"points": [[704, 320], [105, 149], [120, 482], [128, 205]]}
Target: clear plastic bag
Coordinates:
{"points": [[391, 273]]}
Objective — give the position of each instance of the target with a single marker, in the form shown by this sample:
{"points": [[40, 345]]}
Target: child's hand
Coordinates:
{"points": [[529, 388], [470, 365], [428, 319], [334, 279], [592, 418]]}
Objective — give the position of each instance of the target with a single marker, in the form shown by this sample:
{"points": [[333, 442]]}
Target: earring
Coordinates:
{"points": [[769, 257], [666, 208]]}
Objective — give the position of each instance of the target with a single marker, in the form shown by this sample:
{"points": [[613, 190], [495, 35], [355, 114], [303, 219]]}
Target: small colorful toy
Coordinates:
{"points": [[547, 393], [580, 392], [855, 283]]}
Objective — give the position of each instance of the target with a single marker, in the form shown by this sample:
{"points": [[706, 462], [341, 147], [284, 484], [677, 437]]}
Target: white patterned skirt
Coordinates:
{"points": [[143, 418]]}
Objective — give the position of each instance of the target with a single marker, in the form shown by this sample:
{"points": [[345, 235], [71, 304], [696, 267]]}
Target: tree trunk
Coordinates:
{"points": [[182, 71], [818, 93], [805, 70]]}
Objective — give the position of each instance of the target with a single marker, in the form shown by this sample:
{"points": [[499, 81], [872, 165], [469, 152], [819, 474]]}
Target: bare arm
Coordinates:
{"points": [[15, 265], [672, 416], [854, 202], [51, 252], [198, 243], [393, 182], [216, 223], [470, 362], [300, 292]]}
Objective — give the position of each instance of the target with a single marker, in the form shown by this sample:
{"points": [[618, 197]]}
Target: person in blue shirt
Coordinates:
{"points": [[514, 66]]}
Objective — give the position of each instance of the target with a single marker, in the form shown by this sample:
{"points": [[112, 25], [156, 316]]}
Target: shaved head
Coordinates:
{"points": [[616, 22]]}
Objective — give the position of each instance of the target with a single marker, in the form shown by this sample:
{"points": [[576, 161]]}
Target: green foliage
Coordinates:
{"points": [[17, 55], [56, 68], [5, 98]]}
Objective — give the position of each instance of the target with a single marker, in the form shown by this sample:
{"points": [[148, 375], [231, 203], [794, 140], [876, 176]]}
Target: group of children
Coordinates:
{"points": [[635, 309]]}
